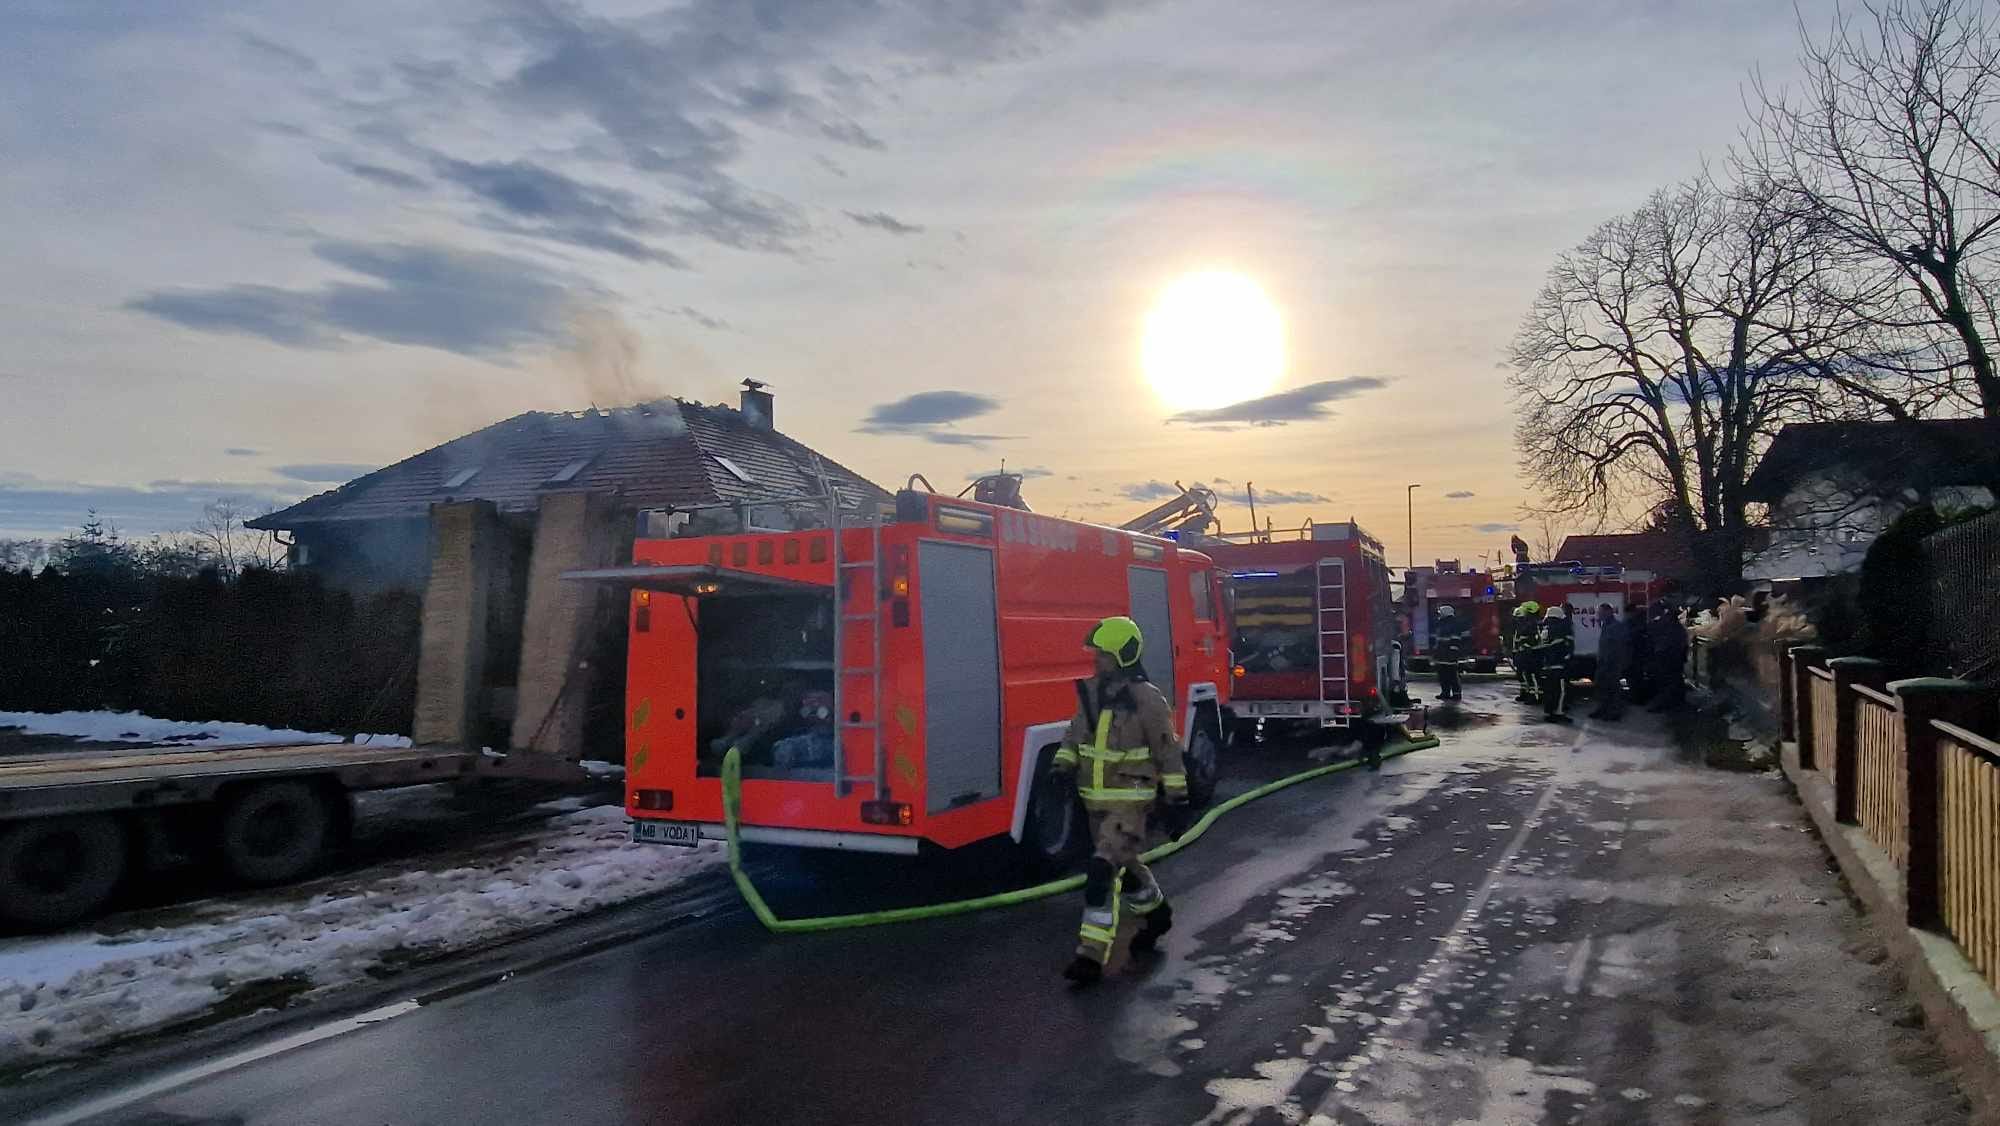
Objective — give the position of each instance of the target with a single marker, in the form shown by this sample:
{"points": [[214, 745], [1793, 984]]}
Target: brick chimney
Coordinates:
{"points": [[757, 405]]}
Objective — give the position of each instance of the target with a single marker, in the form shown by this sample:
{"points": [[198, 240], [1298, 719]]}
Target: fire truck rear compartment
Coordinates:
{"points": [[765, 684]]}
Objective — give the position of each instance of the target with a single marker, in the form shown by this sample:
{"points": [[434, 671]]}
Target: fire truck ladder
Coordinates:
{"points": [[1332, 618], [856, 575]]}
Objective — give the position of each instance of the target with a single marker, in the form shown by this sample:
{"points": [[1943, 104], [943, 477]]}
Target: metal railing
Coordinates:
{"points": [[1969, 884], [1965, 596], [1881, 782]]}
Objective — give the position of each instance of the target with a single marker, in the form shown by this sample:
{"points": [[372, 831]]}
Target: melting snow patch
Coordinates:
{"points": [[133, 727], [64, 993], [1270, 1091]]}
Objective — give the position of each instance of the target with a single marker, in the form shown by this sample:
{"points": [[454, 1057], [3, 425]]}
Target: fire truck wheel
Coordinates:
{"points": [[1204, 762], [275, 832], [1056, 833], [57, 870]]}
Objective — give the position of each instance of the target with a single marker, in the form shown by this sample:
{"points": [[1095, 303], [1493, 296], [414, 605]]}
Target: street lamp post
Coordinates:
{"points": [[1410, 515]]}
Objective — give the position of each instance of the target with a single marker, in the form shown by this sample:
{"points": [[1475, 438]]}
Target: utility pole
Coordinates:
{"points": [[1410, 514]]}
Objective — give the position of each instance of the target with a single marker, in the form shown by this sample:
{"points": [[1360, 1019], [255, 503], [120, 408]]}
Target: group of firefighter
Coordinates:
{"points": [[1638, 655]]}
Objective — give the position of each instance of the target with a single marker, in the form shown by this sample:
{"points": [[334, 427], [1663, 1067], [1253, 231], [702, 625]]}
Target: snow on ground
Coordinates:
{"points": [[61, 994], [132, 727]]}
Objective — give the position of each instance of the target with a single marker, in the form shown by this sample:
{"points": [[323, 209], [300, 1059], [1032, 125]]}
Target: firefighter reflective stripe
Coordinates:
{"points": [[1094, 791], [1097, 760], [1065, 756], [1175, 785], [1095, 755], [1099, 931]]}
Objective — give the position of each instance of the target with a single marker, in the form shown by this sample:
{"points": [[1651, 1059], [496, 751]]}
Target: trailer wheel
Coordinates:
{"points": [[1203, 760], [1056, 833], [57, 870], [275, 832]]}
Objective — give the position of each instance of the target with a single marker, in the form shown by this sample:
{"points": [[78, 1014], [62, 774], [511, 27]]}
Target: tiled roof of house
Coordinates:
{"points": [[1662, 553], [1926, 454], [653, 455]]}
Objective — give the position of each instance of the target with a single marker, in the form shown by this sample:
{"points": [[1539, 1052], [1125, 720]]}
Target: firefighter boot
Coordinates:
{"points": [[1158, 921], [1099, 930], [1084, 971]]}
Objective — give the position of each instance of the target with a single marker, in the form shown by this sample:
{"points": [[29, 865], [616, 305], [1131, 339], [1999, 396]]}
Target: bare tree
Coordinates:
{"points": [[1666, 349], [231, 547], [1891, 143], [1545, 535]]}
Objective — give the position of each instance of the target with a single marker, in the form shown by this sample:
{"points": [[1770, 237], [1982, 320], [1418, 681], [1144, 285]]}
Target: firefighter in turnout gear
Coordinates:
{"points": [[1553, 648], [1448, 642], [1123, 750], [1521, 647]]}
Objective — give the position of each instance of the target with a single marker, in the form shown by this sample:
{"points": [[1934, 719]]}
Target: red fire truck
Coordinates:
{"points": [[899, 679], [1314, 624], [1584, 591], [1474, 597]]}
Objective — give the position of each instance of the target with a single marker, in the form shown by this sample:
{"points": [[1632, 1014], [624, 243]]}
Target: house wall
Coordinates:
{"points": [[1820, 529], [365, 557]]}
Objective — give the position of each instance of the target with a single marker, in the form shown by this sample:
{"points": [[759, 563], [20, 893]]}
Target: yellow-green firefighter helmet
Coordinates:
{"points": [[1119, 637], [1531, 607]]}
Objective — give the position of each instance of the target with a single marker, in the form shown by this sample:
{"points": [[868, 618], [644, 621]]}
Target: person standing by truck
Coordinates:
{"points": [[1554, 646], [1448, 639], [1614, 659], [1667, 640], [1122, 748], [1522, 648]]}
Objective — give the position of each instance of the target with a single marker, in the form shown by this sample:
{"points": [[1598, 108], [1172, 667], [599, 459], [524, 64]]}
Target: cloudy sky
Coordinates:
{"points": [[254, 248]]}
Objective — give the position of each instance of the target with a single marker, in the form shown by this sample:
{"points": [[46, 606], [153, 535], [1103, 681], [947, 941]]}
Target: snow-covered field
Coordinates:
{"points": [[133, 727], [61, 994]]}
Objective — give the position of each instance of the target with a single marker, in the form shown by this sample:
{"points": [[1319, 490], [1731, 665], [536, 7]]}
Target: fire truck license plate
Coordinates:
{"points": [[667, 832]]}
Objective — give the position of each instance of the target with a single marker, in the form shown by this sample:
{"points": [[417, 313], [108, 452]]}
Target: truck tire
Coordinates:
{"points": [[1203, 759], [1056, 832], [57, 870], [275, 832]]}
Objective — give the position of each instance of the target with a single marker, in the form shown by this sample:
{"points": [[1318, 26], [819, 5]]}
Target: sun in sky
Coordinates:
{"points": [[1212, 338]]}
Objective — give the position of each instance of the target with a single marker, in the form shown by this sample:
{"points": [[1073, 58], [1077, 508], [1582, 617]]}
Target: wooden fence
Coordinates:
{"points": [[1970, 891], [1923, 786], [1823, 712], [1881, 784]]}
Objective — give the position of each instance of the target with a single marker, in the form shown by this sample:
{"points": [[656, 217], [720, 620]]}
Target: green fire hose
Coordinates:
{"points": [[732, 806]]}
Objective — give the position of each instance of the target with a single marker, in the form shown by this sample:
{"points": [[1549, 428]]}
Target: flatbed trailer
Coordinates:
{"points": [[75, 823]]}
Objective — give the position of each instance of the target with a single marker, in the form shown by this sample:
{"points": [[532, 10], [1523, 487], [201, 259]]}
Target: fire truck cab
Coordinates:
{"points": [[900, 679]]}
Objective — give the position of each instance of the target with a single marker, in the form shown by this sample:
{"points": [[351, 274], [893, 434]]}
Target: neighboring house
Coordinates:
{"points": [[1660, 553], [374, 531], [513, 656], [1832, 487]]}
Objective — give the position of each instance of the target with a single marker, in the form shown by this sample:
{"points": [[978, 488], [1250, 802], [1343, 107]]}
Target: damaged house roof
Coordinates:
{"points": [[653, 455]]}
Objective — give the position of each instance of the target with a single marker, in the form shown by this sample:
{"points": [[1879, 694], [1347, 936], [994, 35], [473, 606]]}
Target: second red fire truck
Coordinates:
{"points": [[1315, 628], [899, 680]]}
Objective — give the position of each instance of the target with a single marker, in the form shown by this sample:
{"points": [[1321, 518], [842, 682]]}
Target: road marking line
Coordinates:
{"points": [[174, 1080], [1579, 964], [1437, 970]]}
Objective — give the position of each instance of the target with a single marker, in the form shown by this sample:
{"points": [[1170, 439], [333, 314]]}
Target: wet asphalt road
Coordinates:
{"points": [[1529, 924]]}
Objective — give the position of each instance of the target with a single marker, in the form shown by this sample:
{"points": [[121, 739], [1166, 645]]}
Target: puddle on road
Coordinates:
{"points": [[1458, 719]]}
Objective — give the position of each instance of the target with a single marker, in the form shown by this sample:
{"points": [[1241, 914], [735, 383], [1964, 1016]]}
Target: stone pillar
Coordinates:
{"points": [[1848, 672], [1804, 659], [1787, 689], [1925, 699], [573, 530], [451, 663]]}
